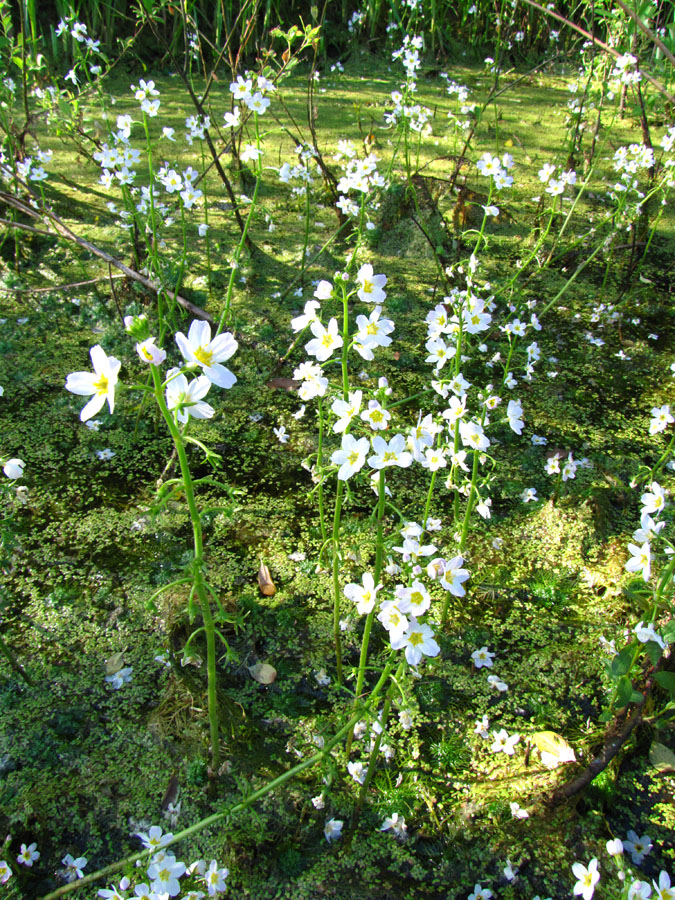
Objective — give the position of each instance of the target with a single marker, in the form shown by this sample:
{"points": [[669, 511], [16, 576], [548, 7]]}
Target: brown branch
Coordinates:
{"points": [[56, 287], [65, 232], [600, 763], [550, 12], [647, 30]]}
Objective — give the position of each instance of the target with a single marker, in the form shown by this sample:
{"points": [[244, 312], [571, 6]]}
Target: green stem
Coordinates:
{"points": [[336, 580], [379, 559], [198, 577], [242, 241], [237, 807]]}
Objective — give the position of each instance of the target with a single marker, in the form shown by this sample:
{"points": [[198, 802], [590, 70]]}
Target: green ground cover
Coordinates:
{"points": [[83, 767]]}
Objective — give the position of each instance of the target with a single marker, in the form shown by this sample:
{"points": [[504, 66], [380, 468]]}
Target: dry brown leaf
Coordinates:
{"points": [[283, 384], [263, 673], [265, 583]]}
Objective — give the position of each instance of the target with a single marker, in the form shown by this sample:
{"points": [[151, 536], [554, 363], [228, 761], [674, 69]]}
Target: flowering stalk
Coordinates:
{"points": [[197, 573], [244, 234], [379, 558]]}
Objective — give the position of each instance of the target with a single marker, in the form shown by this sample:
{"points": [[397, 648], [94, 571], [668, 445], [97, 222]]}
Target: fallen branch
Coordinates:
{"points": [[600, 763], [66, 232]]}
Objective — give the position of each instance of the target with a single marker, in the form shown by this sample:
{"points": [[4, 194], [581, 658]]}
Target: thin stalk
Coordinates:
{"points": [[379, 558], [237, 807], [244, 234], [198, 577]]}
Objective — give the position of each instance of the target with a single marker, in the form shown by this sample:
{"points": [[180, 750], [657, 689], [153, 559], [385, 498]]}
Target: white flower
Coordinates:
{"points": [[333, 830], [518, 812], [310, 315], [358, 771], [28, 855], [663, 889], [418, 640], [661, 419], [376, 416], [495, 682], [392, 619], [414, 599], [639, 890], [364, 595], [214, 879], [351, 457], [481, 727], [5, 872], [149, 352], [395, 824], [389, 454], [186, 399], [199, 350], [313, 382], [509, 871], [638, 847], [454, 576], [101, 383], [325, 341], [640, 561], [119, 679], [615, 847], [480, 893], [74, 866], [164, 875], [587, 878], [154, 839], [514, 414], [105, 454], [654, 500], [503, 742], [370, 286], [13, 468], [473, 436], [281, 434], [482, 657], [345, 410]]}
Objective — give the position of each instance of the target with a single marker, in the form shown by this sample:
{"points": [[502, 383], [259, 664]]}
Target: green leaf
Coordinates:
{"points": [[653, 651], [662, 758], [624, 691], [668, 632], [666, 680], [622, 662]]}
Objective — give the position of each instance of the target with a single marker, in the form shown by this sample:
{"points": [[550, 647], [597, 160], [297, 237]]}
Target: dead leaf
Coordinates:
{"points": [[267, 588], [171, 793], [283, 384], [662, 758], [263, 673], [553, 747], [114, 663]]}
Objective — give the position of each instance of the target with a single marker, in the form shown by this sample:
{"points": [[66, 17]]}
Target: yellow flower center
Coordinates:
{"points": [[416, 638], [376, 416], [416, 598], [367, 286], [389, 456], [352, 458], [327, 339], [204, 356], [101, 386], [372, 328]]}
